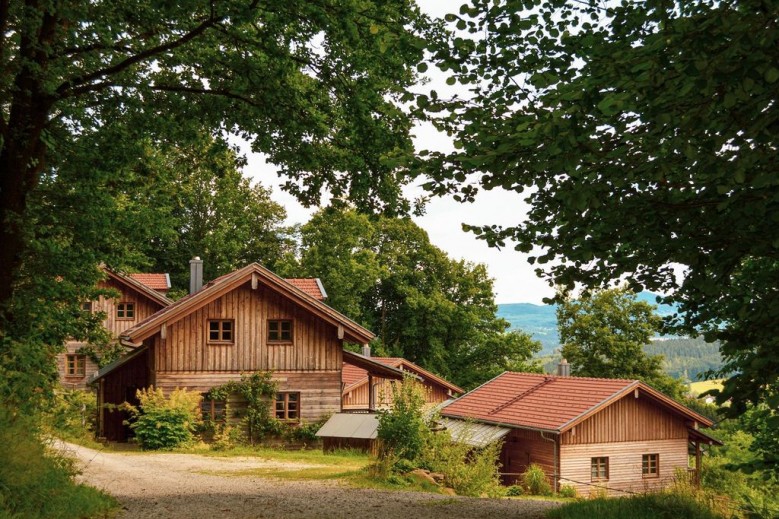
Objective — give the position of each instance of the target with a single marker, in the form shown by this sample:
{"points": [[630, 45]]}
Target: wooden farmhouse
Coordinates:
{"points": [[619, 435], [357, 383], [246, 321], [140, 295]]}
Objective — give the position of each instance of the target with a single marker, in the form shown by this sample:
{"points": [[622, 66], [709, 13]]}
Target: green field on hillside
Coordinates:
{"points": [[702, 386]]}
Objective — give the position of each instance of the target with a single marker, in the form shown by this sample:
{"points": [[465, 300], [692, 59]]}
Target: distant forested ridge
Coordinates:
{"points": [[684, 357]]}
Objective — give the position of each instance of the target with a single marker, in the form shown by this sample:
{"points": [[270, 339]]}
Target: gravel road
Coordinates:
{"points": [[180, 486]]}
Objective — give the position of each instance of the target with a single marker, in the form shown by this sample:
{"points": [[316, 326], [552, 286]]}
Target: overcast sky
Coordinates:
{"points": [[515, 279]]}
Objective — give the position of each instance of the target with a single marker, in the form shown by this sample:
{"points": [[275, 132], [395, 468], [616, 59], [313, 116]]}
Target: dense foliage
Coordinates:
{"points": [[161, 422], [643, 135], [431, 309], [687, 359], [604, 334], [403, 428], [258, 391]]}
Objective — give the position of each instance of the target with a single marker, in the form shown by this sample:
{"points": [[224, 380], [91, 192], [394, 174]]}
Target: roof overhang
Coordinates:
{"points": [[473, 433], [121, 361], [700, 436], [373, 367]]}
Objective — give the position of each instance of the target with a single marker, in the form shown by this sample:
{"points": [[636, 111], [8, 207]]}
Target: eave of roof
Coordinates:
{"points": [[398, 362], [121, 361], [216, 288], [372, 366], [138, 286]]}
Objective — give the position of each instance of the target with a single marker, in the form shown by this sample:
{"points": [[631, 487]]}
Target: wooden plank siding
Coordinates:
{"points": [[314, 346], [121, 386], [320, 391], [624, 464], [521, 448], [357, 396], [627, 419]]}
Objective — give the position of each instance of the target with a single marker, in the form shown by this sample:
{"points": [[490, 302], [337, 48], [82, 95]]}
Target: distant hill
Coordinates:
{"points": [[540, 321], [684, 357]]}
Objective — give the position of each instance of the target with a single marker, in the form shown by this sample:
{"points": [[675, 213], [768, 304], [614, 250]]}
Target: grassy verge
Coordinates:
{"points": [[664, 505]]}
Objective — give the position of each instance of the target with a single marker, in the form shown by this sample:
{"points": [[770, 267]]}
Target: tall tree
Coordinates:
{"points": [[313, 84], [644, 136], [603, 334], [424, 306]]}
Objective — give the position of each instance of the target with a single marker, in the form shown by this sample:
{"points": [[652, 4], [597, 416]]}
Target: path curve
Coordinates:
{"points": [[173, 486]]}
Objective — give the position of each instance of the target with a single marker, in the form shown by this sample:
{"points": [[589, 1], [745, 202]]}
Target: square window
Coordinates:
{"points": [[125, 311], [650, 465], [280, 330], [288, 406], [87, 307], [220, 331], [76, 365], [599, 469]]}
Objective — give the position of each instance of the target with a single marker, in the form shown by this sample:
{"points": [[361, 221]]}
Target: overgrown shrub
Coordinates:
{"points": [[226, 437], [568, 491], [72, 414], [402, 429], [164, 423], [305, 432], [663, 505], [259, 391], [38, 483], [514, 491], [535, 482]]}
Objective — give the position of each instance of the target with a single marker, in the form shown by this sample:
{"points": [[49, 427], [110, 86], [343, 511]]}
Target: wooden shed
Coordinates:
{"points": [[619, 435]]}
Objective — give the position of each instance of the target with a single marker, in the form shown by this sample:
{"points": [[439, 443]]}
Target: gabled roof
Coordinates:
{"points": [[155, 281], [255, 273], [354, 375], [366, 364], [128, 280], [311, 286], [551, 403]]}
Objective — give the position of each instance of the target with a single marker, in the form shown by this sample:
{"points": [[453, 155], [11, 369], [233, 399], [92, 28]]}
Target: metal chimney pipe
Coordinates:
{"points": [[195, 274], [564, 369], [366, 350]]}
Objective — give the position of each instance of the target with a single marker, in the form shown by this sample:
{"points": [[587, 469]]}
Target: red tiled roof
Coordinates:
{"points": [[311, 286], [153, 281], [353, 375], [534, 400]]}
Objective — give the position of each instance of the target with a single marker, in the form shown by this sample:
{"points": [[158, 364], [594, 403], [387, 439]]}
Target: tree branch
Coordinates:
{"points": [[67, 88]]}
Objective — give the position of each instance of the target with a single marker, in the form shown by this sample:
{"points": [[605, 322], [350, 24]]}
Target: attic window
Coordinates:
{"points": [[599, 469], [76, 365], [280, 331], [125, 311], [220, 331]]}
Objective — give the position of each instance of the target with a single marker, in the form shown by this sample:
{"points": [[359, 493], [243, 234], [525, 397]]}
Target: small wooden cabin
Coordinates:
{"points": [[248, 320], [358, 385], [140, 295], [590, 433]]}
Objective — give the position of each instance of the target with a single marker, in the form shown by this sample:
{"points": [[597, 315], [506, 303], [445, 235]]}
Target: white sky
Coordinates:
{"points": [[515, 279]]}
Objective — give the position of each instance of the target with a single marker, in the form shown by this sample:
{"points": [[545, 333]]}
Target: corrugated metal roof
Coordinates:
{"points": [[350, 425], [473, 433]]}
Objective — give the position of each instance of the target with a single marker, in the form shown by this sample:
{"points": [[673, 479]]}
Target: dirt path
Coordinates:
{"points": [[175, 486]]}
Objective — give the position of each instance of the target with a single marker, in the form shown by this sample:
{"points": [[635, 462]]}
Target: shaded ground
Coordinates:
{"points": [[188, 485]]}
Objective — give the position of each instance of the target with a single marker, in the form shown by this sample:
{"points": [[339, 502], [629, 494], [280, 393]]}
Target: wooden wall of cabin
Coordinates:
{"points": [[144, 307], [357, 396], [624, 465], [74, 381], [320, 391], [119, 386], [314, 347], [628, 419], [521, 448]]}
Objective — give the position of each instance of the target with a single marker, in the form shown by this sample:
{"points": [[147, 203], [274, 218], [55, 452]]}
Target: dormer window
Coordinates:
{"points": [[125, 311], [280, 330], [220, 331]]}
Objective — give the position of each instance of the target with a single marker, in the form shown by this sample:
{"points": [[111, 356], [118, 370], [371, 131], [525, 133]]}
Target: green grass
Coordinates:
{"points": [[649, 506], [698, 388]]}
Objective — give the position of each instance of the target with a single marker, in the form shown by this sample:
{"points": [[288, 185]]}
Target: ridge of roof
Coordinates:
{"points": [[238, 277]]}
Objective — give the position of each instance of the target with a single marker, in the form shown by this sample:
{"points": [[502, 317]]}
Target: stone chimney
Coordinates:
{"points": [[366, 350], [563, 369], [195, 274]]}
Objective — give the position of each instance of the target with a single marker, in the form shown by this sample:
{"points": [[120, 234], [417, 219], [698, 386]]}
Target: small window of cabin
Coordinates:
{"points": [[221, 331], [280, 330], [125, 311], [212, 410], [76, 365], [599, 469], [288, 407], [86, 307], [650, 465]]}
